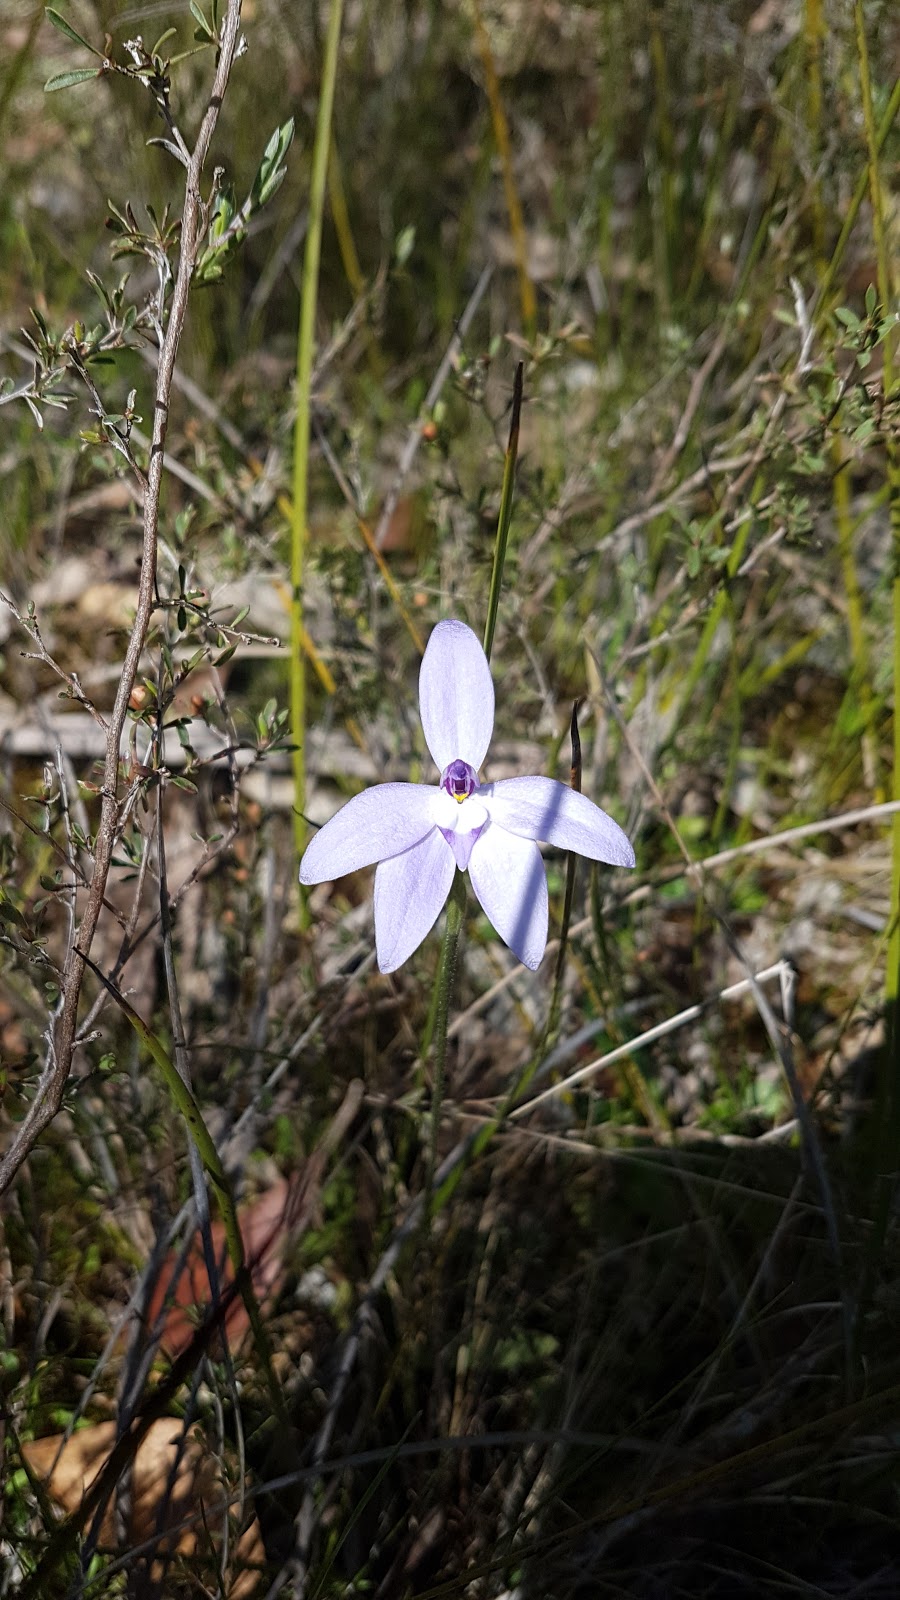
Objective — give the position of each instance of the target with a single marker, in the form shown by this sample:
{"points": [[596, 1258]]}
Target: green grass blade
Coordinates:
{"points": [[505, 517]]}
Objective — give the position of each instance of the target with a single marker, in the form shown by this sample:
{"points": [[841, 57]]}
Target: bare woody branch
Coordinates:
{"points": [[61, 1045]]}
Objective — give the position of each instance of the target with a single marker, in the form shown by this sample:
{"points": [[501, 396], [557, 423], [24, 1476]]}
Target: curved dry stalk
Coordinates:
{"points": [[61, 1043]]}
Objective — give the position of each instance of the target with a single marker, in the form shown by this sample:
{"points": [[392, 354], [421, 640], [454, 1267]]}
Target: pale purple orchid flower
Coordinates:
{"points": [[420, 833]]}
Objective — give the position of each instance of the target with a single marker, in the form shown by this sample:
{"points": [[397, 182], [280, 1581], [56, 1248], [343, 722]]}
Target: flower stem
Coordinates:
{"points": [[483, 1136], [505, 517], [553, 1016], [436, 1028], [551, 1027], [305, 340]]}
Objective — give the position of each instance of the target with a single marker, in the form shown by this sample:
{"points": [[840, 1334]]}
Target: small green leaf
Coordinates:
{"points": [[66, 28], [404, 245], [271, 169], [209, 269], [199, 18], [65, 80], [272, 185], [223, 212], [163, 39]]}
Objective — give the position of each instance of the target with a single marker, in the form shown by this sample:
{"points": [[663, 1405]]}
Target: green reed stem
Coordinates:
{"points": [[435, 1035], [305, 341], [440, 1012], [506, 505], [860, 689], [814, 37], [859, 195], [485, 1134], [551, 1028]]}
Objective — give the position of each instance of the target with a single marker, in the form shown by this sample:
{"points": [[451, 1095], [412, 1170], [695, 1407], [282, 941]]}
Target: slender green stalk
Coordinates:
{"points": [[440, 1013], [859, 194], [435, 1035], [505, 517], [814, 34], [305, 340], [661, 178], [551, 1029], [341, 216], [860, 687], [485, 1134], [874, 179]]}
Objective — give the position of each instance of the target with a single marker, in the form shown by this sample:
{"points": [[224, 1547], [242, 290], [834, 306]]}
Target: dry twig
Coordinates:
{"points": [[61, 1043]]}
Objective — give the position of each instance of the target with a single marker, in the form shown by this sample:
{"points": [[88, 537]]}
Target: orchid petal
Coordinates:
{"points": [[410, 890], [541, 808], [508, 877], [378, 823], [456, 696], [462, 845]]}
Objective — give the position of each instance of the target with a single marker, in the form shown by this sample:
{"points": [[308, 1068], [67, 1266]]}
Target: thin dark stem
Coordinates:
{"points": [[456, 906], [553, 1015], [506, 505]]}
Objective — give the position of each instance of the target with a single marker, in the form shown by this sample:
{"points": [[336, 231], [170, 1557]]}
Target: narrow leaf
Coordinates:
{"points": [[65, 80], [66, 28], [272, 185], [163, 39], [200, 19]]}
